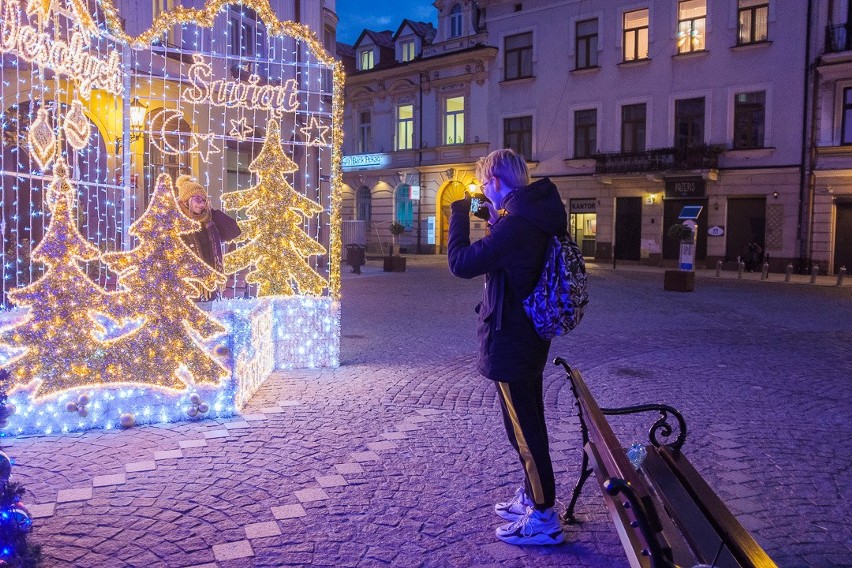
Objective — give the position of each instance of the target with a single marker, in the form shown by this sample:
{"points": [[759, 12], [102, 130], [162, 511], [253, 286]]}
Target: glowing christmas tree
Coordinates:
{"points": [[277, 246], [57, 333], [161, 276]]}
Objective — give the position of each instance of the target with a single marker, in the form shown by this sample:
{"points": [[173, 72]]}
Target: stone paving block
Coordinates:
{"points": [[262, 530], [349, 468], [394, 436], [288, 512], [199, 443], [380, 446], [254, 417], [272, 410], [41, 510], [428, 411], [211, 434], [365, 456], [208, 565], [331, 481], [168, 455], [108, 480], [286, 403], [236, 425], [503, 551], [407, 426], [75, 494], [140, 466], [232, 550], [310, 495]]}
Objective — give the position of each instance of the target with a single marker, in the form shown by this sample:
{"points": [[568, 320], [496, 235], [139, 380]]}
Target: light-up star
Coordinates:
{"points": [[315, 132], [40, 8], [202, 144], [240, 129]]}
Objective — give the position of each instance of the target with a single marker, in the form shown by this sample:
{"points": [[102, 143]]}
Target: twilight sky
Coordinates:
{"points": [[356, 15]]}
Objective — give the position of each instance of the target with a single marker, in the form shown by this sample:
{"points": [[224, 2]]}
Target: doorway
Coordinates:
{"points": [[452, 192], [746, 224], [843, 236], [628, 228]]}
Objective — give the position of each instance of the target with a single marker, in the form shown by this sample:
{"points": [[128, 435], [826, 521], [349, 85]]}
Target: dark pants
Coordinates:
{"points": [[523, 416]]}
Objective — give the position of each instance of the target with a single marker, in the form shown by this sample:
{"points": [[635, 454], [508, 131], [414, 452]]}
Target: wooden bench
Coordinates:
{"points": [[665, 513]]}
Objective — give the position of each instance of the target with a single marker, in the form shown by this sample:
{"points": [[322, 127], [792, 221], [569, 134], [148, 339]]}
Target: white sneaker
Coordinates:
{"points": [[535, 527], [515, 508]]}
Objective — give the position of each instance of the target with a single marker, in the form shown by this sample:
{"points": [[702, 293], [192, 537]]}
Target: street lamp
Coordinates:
{"points": [[137, 119]]}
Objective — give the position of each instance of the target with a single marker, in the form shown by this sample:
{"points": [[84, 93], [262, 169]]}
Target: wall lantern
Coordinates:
{"points": [[137, 119]]}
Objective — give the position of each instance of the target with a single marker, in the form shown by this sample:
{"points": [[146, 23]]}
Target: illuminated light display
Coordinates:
{"points": [[315, 132], [125, 315], [72, 59], [277, 246]]}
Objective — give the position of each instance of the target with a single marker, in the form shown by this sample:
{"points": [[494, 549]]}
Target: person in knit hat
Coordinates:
{"points": [[216, 227]]}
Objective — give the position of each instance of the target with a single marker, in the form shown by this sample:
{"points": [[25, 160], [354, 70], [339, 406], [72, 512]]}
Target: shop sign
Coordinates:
{"points": [[414, 192], [583, 206], [364, 161], [716, 231], [685, 187]]}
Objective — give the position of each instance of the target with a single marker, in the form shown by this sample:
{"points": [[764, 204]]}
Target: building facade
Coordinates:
{"points": [[639, 110]]}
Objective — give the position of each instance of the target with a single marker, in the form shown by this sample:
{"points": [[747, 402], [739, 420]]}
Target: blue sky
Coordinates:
{"points": [[356, 15]]}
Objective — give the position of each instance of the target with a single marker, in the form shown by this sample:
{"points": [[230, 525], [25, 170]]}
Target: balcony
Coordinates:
{"points": [[838, 38], [704, 157]]}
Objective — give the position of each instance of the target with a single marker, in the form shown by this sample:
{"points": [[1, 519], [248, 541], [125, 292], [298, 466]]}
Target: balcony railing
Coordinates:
{"points": [[703, 157], [838, 38]]}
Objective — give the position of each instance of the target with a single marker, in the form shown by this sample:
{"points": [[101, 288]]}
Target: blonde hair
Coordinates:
{"points": [[506, 165]]}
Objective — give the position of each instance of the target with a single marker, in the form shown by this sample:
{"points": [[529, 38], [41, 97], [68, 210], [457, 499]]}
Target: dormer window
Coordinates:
{"points": [[456, 21], [406, 50], [367, 59]]}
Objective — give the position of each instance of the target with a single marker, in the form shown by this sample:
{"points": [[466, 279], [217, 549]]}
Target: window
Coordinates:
{"points": [[365, 132], [456, 21], [846, 127], [363, 207], [517, 135], [749, 119], [407, 50], [586, 46], [633, 128], [518, 56], [692, 20], [753, 17], [585, 133], [689, 123], [636, 35], [404, 206], [242, 34], [454, 120], [367, 61], [405, 127]]}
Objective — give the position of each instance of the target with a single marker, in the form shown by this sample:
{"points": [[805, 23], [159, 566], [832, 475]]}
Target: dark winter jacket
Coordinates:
{"points": [[207, 242], [511, 257]]}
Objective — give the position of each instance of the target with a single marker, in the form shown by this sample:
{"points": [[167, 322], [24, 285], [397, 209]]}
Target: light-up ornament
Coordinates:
{"points": [[160, 138], [240, 129], [79, 405], [277, 246], [60, 352], [40, 9], [315, 132], [196, 406], [42, 139], [202, 144], [76, 126], [251, 95]]}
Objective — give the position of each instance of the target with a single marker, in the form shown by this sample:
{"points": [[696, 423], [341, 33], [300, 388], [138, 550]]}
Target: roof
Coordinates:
{"points": [[382, 39], [424, 30]]}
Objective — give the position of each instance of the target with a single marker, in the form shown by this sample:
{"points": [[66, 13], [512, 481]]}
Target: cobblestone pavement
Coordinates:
{"points": [[396, 457]]}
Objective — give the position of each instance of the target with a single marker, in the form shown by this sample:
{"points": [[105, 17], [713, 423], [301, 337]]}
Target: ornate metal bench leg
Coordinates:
{"points": [[568, 515]]}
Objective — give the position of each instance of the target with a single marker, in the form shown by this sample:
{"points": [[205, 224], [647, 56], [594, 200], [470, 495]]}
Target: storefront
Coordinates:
{"points": [[584, 224]]}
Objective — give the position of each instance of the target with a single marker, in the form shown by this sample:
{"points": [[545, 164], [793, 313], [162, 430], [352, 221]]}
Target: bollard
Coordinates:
{"points": [[718, 268], [840, 275], [764, 275], [814, 272], [789, 272], [740, 268]]}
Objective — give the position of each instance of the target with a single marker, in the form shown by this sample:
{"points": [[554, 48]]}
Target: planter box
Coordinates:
{"points": [[679, 280], [394, 263]]}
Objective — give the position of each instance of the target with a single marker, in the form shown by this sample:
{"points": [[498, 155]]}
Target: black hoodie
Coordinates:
{"points": [[512, 258]]}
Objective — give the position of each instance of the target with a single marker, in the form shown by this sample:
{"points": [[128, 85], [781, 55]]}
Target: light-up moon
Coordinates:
{"points": [[159, 136]]}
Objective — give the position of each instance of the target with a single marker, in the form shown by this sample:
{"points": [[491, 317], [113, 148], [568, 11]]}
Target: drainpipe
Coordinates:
{"points": [[807, 148], [420, 158]]}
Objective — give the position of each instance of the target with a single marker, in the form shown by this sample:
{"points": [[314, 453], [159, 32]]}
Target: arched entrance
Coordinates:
{"points": [[452, 191]]}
